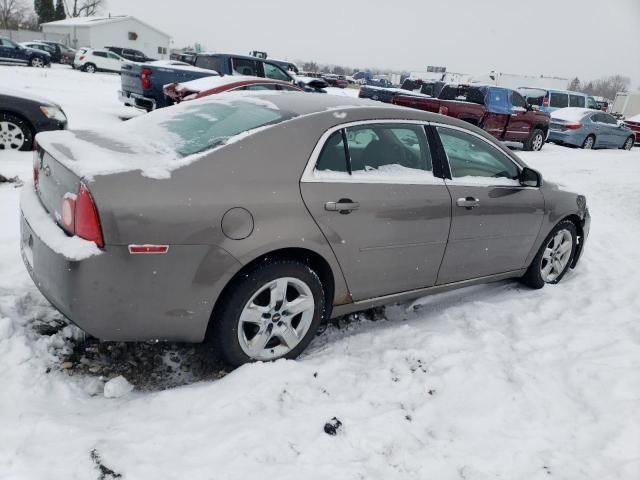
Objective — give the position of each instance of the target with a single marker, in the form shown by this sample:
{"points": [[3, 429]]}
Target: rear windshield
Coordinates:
{"points": [[463, 93], [211, 62], [533, 96], [196, 126]]}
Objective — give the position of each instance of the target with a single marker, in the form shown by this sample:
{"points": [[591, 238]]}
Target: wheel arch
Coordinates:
{"points": [[314, 260], [578, 222]]}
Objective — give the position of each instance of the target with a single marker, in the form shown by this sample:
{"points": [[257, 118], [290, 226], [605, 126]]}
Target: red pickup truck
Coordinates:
{"points": [[502, 112]]}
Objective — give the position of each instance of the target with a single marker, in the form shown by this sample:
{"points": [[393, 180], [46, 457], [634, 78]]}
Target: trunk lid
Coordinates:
{"points": [[130, 78]]}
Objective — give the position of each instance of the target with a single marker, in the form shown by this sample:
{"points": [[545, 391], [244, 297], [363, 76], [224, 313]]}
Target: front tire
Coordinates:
{"points": [[554, 257], [628, 144], [36, 62], [15, 133], [589, 142], [535, 142], [271, 312]]}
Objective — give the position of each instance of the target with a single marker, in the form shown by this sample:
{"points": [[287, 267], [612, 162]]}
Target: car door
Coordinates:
{"points": [[379, 205], [618, 133], [114, 62], [12, 53], [520, 122], [605, 137], [495, 220]]}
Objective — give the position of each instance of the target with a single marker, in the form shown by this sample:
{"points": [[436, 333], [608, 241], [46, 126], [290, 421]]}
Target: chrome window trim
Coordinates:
{"points": [[308, 176]]}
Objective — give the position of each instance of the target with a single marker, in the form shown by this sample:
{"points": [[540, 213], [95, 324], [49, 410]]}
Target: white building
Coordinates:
{"points": [[512, 80], [112, 31]]}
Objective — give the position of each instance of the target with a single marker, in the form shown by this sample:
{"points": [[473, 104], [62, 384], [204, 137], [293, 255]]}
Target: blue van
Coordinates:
{"points": [[549, 100]]}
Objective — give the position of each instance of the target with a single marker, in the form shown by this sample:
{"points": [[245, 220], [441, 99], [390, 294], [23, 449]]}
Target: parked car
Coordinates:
{"points": [[130, 54], [311, 83], [251, 219], [204, 87], [43, 47], [548, 100], [142, 84], [409, 86], [22, 116], [62, 53], [586, 128], [339, 81], [626, 104], [500, 111], [93, 60], [633, 124], [12, 53]]}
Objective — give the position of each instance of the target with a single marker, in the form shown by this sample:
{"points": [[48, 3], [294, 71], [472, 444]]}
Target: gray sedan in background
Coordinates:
{"points": [[587, 128], [252, 218]]}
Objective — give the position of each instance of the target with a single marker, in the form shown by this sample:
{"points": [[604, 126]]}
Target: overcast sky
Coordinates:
{"points": [[587, 38]]}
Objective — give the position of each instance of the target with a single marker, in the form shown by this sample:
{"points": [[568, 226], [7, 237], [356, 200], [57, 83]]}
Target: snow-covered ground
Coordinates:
{"points": [[488, 382]]}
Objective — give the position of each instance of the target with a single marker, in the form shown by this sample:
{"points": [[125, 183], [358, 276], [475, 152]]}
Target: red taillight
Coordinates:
{"points": [[81, 57], [545, 102], [572, 126], [79, 216], [148, 249], [36, 168], [443, 110], [145, 81]]}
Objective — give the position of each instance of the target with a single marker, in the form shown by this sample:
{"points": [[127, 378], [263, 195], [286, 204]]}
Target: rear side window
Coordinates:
{"points": [[333, 157], [209, 62], [558, 100], [576, 101], [100, 54], [242, 66], [533, 96]]}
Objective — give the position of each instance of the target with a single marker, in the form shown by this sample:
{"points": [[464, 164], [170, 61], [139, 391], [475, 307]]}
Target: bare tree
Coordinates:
{"points": [[82, 8], [12, 13], [607, 87]]}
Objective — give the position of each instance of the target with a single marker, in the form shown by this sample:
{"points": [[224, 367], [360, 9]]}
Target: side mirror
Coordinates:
{"points": [[530, 177]]}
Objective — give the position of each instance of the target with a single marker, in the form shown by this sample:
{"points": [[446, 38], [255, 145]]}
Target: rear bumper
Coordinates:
{"points": [[572, 137], [135, 100], [114, 295]]}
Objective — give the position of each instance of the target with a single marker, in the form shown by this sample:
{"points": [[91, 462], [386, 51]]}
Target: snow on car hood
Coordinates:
{"points": [[27, 96]]}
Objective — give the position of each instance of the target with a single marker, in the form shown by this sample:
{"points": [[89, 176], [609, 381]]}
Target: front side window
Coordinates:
{"points": [[576, 101], [559, 100], [473, 160], [209, 62], [591, 103], [262, 86], [274, 72], [517, 100], [113, 56]]}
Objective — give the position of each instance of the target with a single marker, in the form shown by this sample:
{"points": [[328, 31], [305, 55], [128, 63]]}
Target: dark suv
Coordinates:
{"points": [[130, 54], [13, 53]]}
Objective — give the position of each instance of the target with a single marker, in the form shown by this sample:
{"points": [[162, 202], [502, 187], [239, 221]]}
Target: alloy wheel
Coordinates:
{"points": [[11, 136], [556, 256], [588, 143], [37, 62], [90, 69], [538, 141], [628, 144], [276, 318]]}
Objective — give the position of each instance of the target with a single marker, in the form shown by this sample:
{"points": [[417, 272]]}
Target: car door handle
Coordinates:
{"points": [[468, 202], [344, 206]]}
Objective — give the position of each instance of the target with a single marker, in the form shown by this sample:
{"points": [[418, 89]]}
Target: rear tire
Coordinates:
{"points": [[257, 322], [628, 144], [89, 68], [15, 133], [554, 257], [589, 142], [535, 142]]}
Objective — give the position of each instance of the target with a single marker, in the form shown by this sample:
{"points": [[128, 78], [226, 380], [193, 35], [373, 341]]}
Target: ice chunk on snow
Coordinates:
{"points": [[117, 387]]}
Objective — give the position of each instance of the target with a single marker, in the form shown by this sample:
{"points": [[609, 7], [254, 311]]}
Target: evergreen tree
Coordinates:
{"points": [[575, 85], [44, 10], [60, 13]]}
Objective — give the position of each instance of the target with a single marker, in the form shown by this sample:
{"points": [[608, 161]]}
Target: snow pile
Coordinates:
{"points": [[117, 387]]}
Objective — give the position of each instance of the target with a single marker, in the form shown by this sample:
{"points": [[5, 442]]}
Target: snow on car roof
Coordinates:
{"points": [[208, 83], [572, 114]]}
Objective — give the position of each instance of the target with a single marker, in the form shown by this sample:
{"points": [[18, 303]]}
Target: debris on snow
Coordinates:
{"points": [[332, 426], [105, 472]]}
